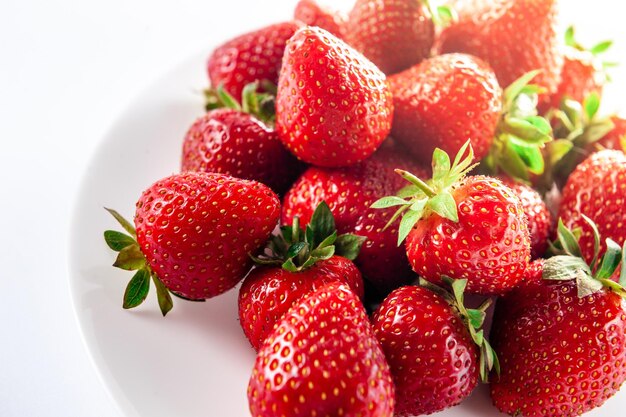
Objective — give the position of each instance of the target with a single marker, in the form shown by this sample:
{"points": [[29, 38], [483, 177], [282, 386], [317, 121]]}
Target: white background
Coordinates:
{"points": [[67, 69]]}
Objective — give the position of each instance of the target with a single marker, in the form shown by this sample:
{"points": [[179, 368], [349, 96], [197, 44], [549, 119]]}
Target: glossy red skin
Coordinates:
{"points": [[581, 75], [613, 139], [537, 214], [393, 34], [311, 13], [443, 102], [333, 106], [235, 143], [322, 359], [597, 189], [513, 36], [349, 192], [433, 360], [560, 356], [268, 292], [489, 246], [254, 56], [197, 229]]}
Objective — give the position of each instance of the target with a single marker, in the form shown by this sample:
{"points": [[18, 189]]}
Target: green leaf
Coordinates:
{"points": [[137, 289], [322, 224], [447, 15], [530, 155], [163, 296], [440, 164], [289, 265], [512, 164], [596, 241], [329, 240], [564, 268], [530, 130], [444, 205], [419, 205], [587, 285], [249, 98], [557, 149], [226, 99], [408, 221], [614, 286], [409, 191], [591, 105], [515, 89], [416, 181], [123, 222], [295, 249], [610, 261], [390, 201], [476, 317], [117, 240], [601, 47], [570, 38], [568, 240], [540, 123], [323, 253], [130, 258], [349, 245]]}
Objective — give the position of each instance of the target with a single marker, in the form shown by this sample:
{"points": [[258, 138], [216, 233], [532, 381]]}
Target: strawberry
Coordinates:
{"points": [[443, 102], [333, 106], [472, 227], [561, 339], [430, 341], [350, 192], [322, 359], [537, 214], [300, 263], [393, 34], [254, 56], [513, 36], [583, 72], [236, 143], [193, 234], [596, 189], [616, 137], [311, 13]]}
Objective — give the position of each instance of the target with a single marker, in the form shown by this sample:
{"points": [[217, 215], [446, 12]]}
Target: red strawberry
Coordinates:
{"points": [[537, 214], [333, 106], [194, 233], [616, 138], [463, 227], [235, 143], [254, 56], [311, 13], [513, 36], [596, 189], [350, 192], [432, 356], [561, 339], [322, 359], [445, 101], [393, 34], [300, 262]]}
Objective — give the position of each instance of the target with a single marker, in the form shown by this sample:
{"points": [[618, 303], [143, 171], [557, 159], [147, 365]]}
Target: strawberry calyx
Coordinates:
{"points": [[568, 262], [473, 319], [596, 50], [421, 198], [521, 133], [295, 249], [257, 99], [130, 258], [577, 127], [443, 15]]}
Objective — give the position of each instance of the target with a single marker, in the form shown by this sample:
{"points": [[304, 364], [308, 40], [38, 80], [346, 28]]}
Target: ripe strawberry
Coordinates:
{"points": [[311, 13], [616, 138], [430, 344], [333, 106], [583, 72], [393, 34], [300, 263], [537, 214], [350, 192], [463, 227], [322, 359], [443, 102], [236, 143], [561, 339], [596, 189], [254, 56], [513, 36], [194, 232]]}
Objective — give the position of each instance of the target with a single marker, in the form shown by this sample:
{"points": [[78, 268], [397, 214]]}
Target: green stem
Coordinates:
{"points": [[417, 182]]}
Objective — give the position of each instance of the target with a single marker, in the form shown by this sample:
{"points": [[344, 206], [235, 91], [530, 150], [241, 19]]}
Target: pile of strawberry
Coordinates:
{"points": [[340, 116]]}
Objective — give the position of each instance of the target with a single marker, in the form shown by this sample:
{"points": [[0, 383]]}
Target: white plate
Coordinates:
{"points": [[196, 361]]}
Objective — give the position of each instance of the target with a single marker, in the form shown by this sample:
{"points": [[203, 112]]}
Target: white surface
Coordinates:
{"points": [[67, 70]]}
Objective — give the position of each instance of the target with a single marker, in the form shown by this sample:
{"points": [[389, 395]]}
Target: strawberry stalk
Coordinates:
{"points": [[568, 263], [473, 320], [257, 99], [295, 249]]}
